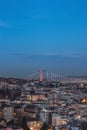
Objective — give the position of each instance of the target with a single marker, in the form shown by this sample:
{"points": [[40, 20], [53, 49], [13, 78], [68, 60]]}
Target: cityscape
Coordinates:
{"points": [[43, 64], [43, 103]]}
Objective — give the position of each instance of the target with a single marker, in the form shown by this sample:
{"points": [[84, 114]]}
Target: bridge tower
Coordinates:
{"points": [[41, 75]]}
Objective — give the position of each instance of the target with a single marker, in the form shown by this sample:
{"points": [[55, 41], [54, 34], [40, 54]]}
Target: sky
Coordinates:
{"points": [[43, 34]]}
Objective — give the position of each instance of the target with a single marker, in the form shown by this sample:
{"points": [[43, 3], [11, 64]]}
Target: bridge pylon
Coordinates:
{"points": [[41, 75]]}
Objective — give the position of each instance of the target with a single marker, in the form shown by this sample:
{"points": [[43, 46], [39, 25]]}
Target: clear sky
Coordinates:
{"points": [[48, 34]]}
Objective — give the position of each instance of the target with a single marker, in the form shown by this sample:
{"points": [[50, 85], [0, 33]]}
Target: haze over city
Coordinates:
{"points": [[43, 34]]}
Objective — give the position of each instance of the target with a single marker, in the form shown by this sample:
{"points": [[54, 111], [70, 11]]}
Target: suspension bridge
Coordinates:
{"points": [[44, 75]]}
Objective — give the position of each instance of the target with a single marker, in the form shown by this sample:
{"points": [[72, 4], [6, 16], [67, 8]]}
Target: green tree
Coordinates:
{"points": [[44, 127], [24, 124]]}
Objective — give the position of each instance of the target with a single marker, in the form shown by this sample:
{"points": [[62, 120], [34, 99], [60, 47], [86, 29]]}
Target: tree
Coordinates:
{"points": [[44, 127], [24, 124]]}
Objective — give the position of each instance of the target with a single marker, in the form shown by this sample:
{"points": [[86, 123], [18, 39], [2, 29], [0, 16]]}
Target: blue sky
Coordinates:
{"points": [[48, 34]]}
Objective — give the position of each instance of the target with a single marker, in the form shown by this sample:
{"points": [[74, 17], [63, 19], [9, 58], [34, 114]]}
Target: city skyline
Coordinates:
{"points": [[43, 34]]}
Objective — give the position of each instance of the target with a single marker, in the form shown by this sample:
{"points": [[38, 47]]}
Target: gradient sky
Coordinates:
{"points": [[48, 34]]}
